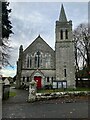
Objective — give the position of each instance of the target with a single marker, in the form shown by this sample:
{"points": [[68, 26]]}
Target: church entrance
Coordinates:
{"points": [[38, 80]]}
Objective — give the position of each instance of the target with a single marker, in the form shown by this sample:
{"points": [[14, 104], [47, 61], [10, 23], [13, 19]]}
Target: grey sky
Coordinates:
{"points": [[31, 19], [49, 0]]}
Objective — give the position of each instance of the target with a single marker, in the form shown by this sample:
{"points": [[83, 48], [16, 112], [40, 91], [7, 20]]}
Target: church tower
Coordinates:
{"points": [[64, 50]]}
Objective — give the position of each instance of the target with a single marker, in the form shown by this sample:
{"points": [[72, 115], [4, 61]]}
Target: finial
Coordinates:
{"points": [[39, 35], [21, 46]]}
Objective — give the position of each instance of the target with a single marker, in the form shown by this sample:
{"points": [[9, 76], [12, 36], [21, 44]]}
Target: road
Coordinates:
{"points": [[18, 107]]}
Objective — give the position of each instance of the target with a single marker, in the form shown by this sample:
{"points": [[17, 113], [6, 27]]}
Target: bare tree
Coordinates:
{"points": [[82, 44], [82, 47]]}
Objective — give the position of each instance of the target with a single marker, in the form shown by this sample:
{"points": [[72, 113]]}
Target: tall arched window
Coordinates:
{"points": [[61, 33], [28, 61], [38, 59], [35, 60], [41, 60], [48, 58], [66, 34]]}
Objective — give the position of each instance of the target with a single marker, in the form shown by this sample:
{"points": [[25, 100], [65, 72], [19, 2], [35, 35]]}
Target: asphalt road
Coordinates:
{"points": [[18, 107]]}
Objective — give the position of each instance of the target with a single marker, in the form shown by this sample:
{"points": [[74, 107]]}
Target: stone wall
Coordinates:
{"points": [[43, 73], [65, 60], [47, 96]]}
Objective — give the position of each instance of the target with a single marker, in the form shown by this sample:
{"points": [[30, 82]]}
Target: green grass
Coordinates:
{"points": [[82, 89], [62, 90], [12, 94]]}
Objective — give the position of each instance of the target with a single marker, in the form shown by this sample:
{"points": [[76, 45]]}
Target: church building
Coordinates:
{"points": [[46, 66]]}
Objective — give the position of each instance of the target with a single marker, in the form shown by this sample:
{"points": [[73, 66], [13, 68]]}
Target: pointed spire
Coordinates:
{"points": [[62, 17]]}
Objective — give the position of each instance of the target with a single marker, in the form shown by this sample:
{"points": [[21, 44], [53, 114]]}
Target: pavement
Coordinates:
{"points": [[18, 107]]}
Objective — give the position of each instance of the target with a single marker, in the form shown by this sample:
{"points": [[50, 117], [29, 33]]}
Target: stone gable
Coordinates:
{"points": [[39, 45]]}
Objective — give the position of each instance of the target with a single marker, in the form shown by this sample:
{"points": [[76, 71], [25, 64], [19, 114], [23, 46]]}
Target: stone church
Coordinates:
{"points": [[46, 66]]}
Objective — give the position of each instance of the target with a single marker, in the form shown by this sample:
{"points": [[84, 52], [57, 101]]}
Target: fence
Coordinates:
{"points": [[83, 83]]}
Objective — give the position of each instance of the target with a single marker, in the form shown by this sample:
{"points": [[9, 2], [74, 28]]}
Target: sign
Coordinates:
{"points": [[54, 84], [59, 84], [64, 84]]}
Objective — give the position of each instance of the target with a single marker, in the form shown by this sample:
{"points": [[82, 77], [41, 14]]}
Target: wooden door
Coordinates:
{"points": [[38, 80]]}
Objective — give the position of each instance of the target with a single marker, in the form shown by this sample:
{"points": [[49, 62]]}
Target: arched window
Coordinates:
{"points": [[28, 61], [61, 33], [48, 58], [66, 34], [41, 59], [38, 59], [35, 60]]}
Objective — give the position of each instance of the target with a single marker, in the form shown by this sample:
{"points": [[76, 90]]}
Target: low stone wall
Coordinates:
{"points": [[47, 96]]}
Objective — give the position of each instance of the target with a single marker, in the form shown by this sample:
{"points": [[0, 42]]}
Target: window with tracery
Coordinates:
{"points": [[28, 61], [38, 59]]}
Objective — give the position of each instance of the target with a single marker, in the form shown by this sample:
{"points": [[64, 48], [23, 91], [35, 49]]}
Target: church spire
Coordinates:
{"points": [[62, 17]]}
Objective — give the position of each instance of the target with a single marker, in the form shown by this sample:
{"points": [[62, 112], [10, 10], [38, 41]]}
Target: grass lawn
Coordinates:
{"points": [[12, 94], [62, 90]]}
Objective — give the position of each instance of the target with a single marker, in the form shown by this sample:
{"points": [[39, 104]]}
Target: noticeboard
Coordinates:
{"points": [[54, 84], [59, 84], [64, 84]]}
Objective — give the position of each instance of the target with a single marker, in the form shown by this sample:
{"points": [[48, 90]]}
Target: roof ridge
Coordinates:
{"points": [[37, 39]]}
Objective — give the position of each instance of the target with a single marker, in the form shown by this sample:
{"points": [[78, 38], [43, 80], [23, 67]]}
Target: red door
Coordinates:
{"points": [[38, 80]]}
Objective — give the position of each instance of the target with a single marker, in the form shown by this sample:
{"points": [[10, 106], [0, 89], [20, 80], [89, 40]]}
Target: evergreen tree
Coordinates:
{"points": [[6, 31]]}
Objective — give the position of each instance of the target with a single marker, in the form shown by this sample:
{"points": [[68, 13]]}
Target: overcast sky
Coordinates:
{"points": [[29, 19]]}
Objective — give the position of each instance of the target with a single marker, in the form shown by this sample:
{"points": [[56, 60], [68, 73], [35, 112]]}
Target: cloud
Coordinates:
{"points": [[27, 25], [48, 0], [8, 72], [30, 19]]}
